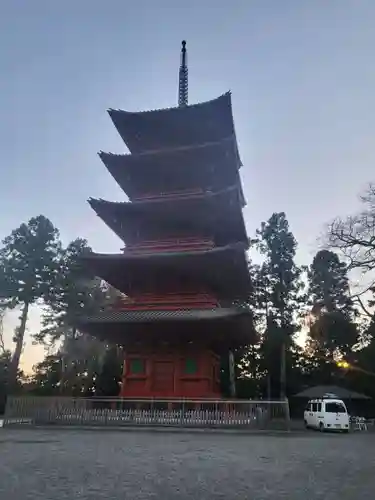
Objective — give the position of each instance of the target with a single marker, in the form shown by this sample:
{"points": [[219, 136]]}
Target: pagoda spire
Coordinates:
{"points": [[183, 78]]}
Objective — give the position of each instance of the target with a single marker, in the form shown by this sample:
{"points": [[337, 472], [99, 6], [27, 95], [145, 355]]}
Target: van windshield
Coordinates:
{"points": [[335, 408]]}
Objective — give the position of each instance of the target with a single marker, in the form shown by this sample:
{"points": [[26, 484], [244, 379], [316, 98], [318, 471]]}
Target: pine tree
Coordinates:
{"points": [[329, 283], [108, 378], [333, 332], [76, 292], [47, 376], [280, 296], [28, 261]]}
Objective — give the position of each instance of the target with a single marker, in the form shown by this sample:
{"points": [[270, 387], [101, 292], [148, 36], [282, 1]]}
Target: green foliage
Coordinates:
{"points": [[279, 274], [333, 332], [5, 359], [47, 377], [35, 268], [279, 298], [329, 284], [28, 264], [79, 371], [75, 290], [108, 378]]}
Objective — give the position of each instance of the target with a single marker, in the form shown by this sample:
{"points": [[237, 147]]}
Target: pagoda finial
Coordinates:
{"points": [[183, 78]]}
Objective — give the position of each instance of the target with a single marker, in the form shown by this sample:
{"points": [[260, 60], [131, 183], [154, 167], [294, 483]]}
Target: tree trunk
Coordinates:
{"points": [[2, 343], [18, 350], [89, 380], [65, 360], [283, 371], [269, 386]]}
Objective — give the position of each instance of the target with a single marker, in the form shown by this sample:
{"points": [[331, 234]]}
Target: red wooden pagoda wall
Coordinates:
{"points": [[167, 301], [186, 244], [182, 372], [171, 374]]}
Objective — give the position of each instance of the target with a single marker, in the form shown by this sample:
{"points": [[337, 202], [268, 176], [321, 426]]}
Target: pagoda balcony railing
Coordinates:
{"points": [[187, 193], [169, 245], [169, 302]]}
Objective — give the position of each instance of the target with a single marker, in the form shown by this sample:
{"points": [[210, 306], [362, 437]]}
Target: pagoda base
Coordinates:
{"points": [[174, 372]]}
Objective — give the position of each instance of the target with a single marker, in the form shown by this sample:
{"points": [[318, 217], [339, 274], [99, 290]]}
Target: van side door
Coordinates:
{"points": [[319, 413], [314, 414], [308, 414]]}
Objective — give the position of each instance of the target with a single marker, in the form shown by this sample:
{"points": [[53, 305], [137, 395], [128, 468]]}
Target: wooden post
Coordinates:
{"points": [[232, 375], [283, 372]]}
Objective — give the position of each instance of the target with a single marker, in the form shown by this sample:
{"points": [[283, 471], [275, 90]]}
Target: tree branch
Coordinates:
{"points": [[364, 309], [354, 237]]}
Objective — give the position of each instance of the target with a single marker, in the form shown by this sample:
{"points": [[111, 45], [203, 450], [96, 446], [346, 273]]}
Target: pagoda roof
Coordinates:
{"points": [[222, 270], [190, 125], [226, 327], [214, 214], [203, 165]]}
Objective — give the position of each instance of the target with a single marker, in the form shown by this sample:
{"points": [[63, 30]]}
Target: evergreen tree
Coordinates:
{"points": [[329, 283], [5, 359], [47, 377], [28, 272], [108, 378], [333, 331], [76, 292], [279, 297]]}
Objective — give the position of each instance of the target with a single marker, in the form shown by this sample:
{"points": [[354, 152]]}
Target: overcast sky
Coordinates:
{"points": [[302, 74]]}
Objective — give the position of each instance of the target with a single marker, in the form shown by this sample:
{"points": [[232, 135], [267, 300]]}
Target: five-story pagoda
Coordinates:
{"points": [[183, 271]]}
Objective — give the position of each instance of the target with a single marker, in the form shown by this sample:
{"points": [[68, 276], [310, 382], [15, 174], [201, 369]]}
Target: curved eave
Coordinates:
{"points": [[227, 251], [212, 212], [137, 173], [221, 200], [173, 127], [178, 156], [221, 327], [131, 317], [223, 270]]}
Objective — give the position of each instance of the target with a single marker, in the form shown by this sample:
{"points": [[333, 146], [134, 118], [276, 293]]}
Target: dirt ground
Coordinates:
{"points": [[96, 464]]}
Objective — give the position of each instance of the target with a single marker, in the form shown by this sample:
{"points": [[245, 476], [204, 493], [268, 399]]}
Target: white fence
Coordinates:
{"points": [[124, 412]]}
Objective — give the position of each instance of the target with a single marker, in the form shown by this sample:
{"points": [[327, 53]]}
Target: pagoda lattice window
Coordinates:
{"points": [[137, 366], [191, 366]]}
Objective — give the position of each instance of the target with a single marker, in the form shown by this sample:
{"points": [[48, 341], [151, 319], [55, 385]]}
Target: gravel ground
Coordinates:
{"points": [[96, 464]]}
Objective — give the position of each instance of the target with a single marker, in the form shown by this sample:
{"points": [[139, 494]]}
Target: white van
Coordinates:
{"points": [[327, 413]]}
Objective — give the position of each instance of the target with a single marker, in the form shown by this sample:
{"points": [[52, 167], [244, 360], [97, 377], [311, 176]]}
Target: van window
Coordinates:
{"points": [[308, 407], [314, 407], [335, 408], [319, 407]]}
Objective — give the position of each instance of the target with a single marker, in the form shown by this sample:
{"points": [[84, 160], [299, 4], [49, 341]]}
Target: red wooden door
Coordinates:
{"points": [[163, 377]]}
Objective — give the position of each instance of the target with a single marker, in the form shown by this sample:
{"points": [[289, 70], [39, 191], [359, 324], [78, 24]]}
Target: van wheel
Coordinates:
{"points": [[321, 427]]}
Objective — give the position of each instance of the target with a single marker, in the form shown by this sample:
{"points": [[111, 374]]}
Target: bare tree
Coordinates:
{"points": [[354, 238]]}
